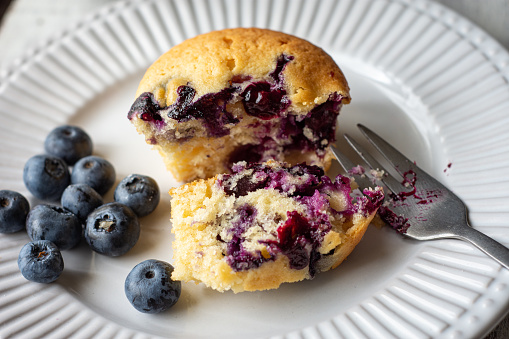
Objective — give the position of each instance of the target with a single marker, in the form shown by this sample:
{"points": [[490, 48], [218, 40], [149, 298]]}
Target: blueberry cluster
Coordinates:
{"points": [[71, 183], [111, 229]]}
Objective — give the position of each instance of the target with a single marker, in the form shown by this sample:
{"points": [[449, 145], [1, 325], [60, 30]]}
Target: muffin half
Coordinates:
{"points": [[266, 224], [243, 94]]}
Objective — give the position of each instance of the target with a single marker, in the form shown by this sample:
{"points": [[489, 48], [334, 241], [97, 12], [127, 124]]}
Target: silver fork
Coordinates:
{"points": [[419, 206]]}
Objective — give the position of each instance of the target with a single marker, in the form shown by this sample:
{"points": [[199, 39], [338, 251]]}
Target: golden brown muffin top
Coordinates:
{"points": [[210, 61]]}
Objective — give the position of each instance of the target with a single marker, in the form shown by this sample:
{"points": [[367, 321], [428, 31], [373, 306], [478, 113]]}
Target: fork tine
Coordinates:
{"points": [[387, 179], [401, 163], [347, 165], [343, 160]]}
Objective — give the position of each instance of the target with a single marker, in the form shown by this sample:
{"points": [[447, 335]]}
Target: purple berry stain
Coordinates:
{"points": [[265, 100], [299, 236], [422, 198], [236, 256], [321, 120], [397, 222], [294, 236]]}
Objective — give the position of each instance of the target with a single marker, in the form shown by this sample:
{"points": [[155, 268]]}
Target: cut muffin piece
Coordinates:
{"points": [[266, 224], [240, 94]]}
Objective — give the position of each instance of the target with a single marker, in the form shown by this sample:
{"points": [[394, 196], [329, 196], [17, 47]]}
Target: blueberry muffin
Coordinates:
{"points": [[266, 224], [243, 94]]}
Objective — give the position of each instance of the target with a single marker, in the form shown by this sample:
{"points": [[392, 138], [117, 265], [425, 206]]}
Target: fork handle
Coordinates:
{"points": [[486, 244]]}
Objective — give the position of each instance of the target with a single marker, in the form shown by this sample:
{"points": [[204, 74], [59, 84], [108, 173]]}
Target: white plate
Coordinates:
{"points": [[423, 77]]}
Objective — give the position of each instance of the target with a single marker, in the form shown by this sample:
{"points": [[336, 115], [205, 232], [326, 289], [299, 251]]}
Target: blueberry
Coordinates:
{"points": [[70, 143], [46, 176], [139, 192], [263, 101], [149, 287], [14, 209], [40, 261], [94, 171], [47, 222], [147, 107], [112, 229], [81, 200]]}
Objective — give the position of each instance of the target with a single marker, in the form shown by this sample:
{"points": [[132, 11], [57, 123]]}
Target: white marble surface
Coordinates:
{"points": [[27, 23]]}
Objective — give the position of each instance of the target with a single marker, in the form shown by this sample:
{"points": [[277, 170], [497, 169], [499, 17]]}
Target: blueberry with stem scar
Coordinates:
{"points": [[40, 261], [139, 192], [149, 287], [112, 229], [46, 176], [94, 171]]}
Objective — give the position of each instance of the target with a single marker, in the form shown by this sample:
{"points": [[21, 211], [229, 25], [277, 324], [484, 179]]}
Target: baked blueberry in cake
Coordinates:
{"points": [[243, 94], [265, 224]]}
